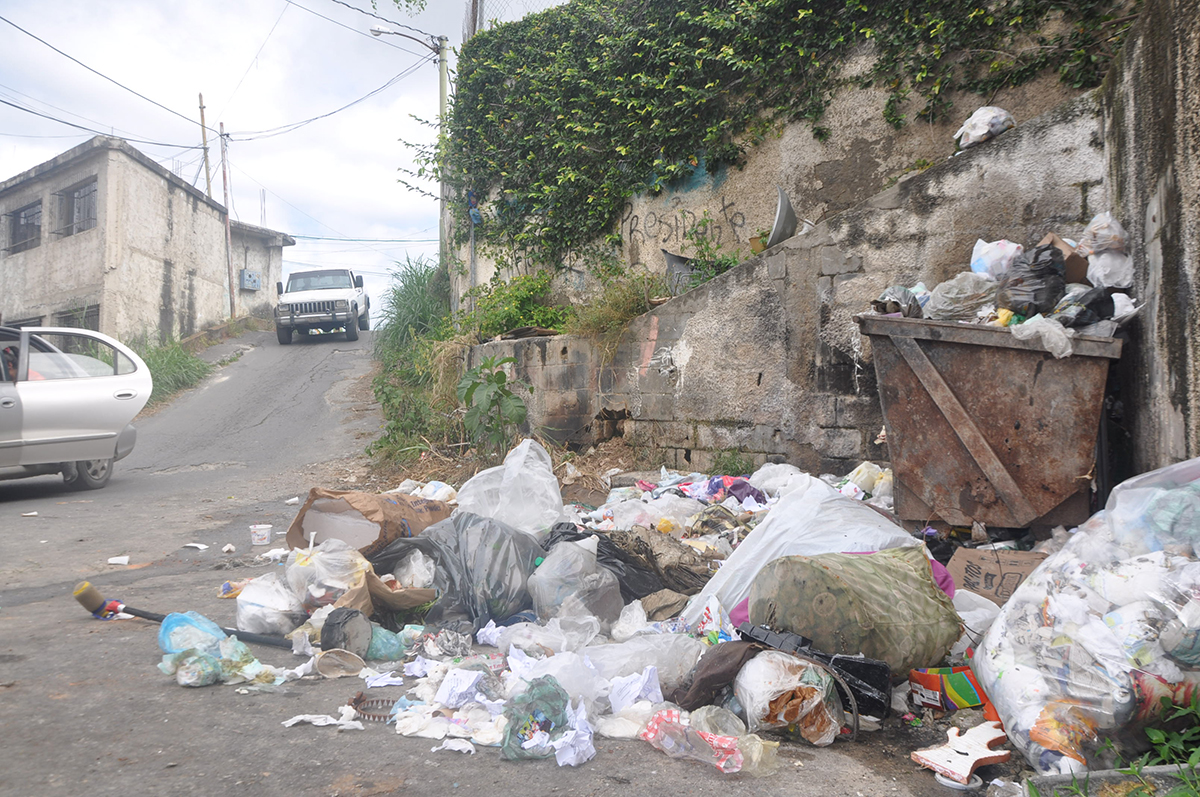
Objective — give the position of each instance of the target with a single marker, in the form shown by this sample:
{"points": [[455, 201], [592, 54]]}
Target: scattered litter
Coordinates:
{"points": [[118, 560], [29, 514], [457, 745], [344, 721], [229, 548], [199, 546], [963, 753], [292, 501]]}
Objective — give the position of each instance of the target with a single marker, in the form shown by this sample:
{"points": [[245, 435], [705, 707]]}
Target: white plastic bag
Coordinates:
{"points": [[267, 606], [328, 572], [773, 477], [558, 635], [673, 655], [416, 572], [650, 514], [987, 122], [1110, 270], [814, 705], [977, 614], [814, 518], [522, 493], [993, 259], [633, 619], [1055, 338], [1103, 234]]}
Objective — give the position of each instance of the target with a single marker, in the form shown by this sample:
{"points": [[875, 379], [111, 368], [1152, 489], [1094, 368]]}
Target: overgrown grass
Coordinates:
{"points": [[173, 367], [604, 317]]}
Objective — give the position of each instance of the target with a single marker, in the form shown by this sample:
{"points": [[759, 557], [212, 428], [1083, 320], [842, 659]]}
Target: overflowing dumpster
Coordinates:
{"points": [[985, 427]]}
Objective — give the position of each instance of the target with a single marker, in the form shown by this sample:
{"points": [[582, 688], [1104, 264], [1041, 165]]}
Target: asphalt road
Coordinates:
{"points": [[84, 710]]}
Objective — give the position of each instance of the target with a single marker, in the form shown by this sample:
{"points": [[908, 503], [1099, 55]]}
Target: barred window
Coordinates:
{"points": [[25, 230], [79, 208]]}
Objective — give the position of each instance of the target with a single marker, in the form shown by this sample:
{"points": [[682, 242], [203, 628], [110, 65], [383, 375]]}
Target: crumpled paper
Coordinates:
{"points": [[628, 689], [344, 721]]}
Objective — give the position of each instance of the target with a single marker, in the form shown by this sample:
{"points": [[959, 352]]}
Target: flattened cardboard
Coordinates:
{"points": [[993, 574], [1075, 264], [396, 515]]}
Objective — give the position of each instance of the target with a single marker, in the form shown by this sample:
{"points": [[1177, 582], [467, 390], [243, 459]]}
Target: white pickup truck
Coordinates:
{"points": [[329, 299]]}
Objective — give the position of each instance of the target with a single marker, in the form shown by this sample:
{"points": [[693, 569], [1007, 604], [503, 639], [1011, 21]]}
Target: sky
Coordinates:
{"points": [[261, 65]]}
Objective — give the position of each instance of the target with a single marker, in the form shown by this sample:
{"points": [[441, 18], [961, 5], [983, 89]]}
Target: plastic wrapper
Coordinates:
{"points": [[781, 691], [1053, 337], [1082, 306], [961, 298], [386, 645], [994, 259], [633, 619], [266, 605], [570, 582], [669, 732], [417, 571], [987, 122], [812, 519], [717, 720], [651, 513], [1103, 234], [635, 580], [1093, 640], [320, 576], [673, 655], [557, 636], [884, 605], [482, 568], [1034, 283], [898, 299], [775, 479], [522, 493]]}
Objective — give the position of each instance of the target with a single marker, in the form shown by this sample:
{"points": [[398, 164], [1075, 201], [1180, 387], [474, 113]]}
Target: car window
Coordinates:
{"points": [[63, 355], [319, 280]]}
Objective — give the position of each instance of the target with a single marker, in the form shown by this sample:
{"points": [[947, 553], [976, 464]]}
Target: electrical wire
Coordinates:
{"points": [[368, 240], [100, 74], [253, 135], [254, 60], [31, 98], [385, 19], [98, 132], [347, 27]]}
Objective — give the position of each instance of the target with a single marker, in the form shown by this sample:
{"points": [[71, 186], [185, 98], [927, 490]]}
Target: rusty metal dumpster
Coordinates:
{"points": [[984, 427]]}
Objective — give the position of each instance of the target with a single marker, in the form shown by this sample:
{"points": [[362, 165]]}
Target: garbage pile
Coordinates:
{"points": [[801, 610], [1056, 291]]}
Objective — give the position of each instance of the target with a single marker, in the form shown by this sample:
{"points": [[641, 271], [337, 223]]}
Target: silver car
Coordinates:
{"points": [[67, 397]]}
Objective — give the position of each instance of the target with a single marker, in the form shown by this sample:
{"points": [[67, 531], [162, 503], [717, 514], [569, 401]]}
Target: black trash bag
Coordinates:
{"points": [[482, 569], [1034, 282], [1083, 307], [635, 581], [347, 629]]}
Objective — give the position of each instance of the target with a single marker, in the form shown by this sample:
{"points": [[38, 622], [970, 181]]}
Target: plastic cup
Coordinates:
{"points": [[260, 534]]}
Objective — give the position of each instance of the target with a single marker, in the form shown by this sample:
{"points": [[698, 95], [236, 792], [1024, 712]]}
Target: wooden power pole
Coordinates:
{"points": [[204, 137]]}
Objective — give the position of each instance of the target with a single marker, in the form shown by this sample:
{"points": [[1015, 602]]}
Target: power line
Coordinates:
{"points": [[254, 60], [347, 27], [97, 132], [101, 74], [288, 128], [385, 19], [368, 240]]}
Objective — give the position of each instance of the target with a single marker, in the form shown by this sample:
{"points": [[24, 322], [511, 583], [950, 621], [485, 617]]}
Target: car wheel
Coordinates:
{"points": [[90, 474], [364, 320], [352, 325], [284, 334]]}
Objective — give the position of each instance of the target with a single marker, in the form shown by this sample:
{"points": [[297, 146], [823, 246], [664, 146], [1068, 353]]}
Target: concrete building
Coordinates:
{"points": [[103, 237]]}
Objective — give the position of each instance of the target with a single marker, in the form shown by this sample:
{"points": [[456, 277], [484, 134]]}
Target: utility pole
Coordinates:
{"points": [[443, 107], [204, 137], [228, 231]]}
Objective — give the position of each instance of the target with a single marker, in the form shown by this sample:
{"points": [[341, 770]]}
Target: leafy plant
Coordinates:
{"points": [[493, 409], [502, 305], [1177, 746], [708, 260], [558, 119], [604, 317], [729, 462]]}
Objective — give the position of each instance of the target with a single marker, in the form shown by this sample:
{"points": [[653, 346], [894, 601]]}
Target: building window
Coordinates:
{"points": [[78, 208], [34, 321], [79, 318], [25, 228]]}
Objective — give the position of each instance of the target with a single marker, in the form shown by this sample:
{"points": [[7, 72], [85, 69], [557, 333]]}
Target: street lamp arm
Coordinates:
{"points": [[380, 30]]}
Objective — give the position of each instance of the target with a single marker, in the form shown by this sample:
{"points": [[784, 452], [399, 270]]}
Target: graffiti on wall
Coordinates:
{"points": [[669, 228]]}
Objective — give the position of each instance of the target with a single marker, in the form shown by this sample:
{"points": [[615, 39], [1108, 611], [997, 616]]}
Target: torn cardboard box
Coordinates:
{"points": [[993, 574], [368, 521]]}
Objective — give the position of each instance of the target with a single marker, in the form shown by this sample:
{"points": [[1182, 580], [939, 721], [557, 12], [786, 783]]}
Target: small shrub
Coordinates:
{"points": [[729, 462], [173, 367], [494, 411]]}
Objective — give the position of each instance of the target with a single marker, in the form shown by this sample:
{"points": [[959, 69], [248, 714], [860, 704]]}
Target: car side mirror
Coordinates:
{"points": [[358, 281], [279, 288]]}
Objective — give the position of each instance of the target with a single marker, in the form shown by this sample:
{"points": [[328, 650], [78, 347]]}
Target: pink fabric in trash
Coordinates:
{"points": [[740, 613], [942, 577]]}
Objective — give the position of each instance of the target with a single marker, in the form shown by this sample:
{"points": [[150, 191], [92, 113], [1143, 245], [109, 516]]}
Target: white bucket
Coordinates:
{"points": [[260, 534]]}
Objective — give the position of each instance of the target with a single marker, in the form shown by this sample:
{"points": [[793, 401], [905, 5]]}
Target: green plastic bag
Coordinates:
{"points": [[884, 605], [542, 708]]}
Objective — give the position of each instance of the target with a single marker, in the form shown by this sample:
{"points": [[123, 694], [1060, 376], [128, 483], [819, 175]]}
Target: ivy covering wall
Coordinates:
{"points": [[561, 117]]}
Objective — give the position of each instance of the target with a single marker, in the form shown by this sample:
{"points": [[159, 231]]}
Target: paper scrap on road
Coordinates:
{"points": [[29, 514], [292, 501], [199, 546], [118, 560], [229, 548], [458, 745], [381, 679], [342, 721]]}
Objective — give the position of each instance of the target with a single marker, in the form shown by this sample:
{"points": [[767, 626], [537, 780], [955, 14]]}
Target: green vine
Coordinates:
{"points": [[558, 119]]}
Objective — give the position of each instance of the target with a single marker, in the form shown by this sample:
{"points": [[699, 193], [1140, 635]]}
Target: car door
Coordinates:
{"points": [[10, 420], [78, 389]]}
